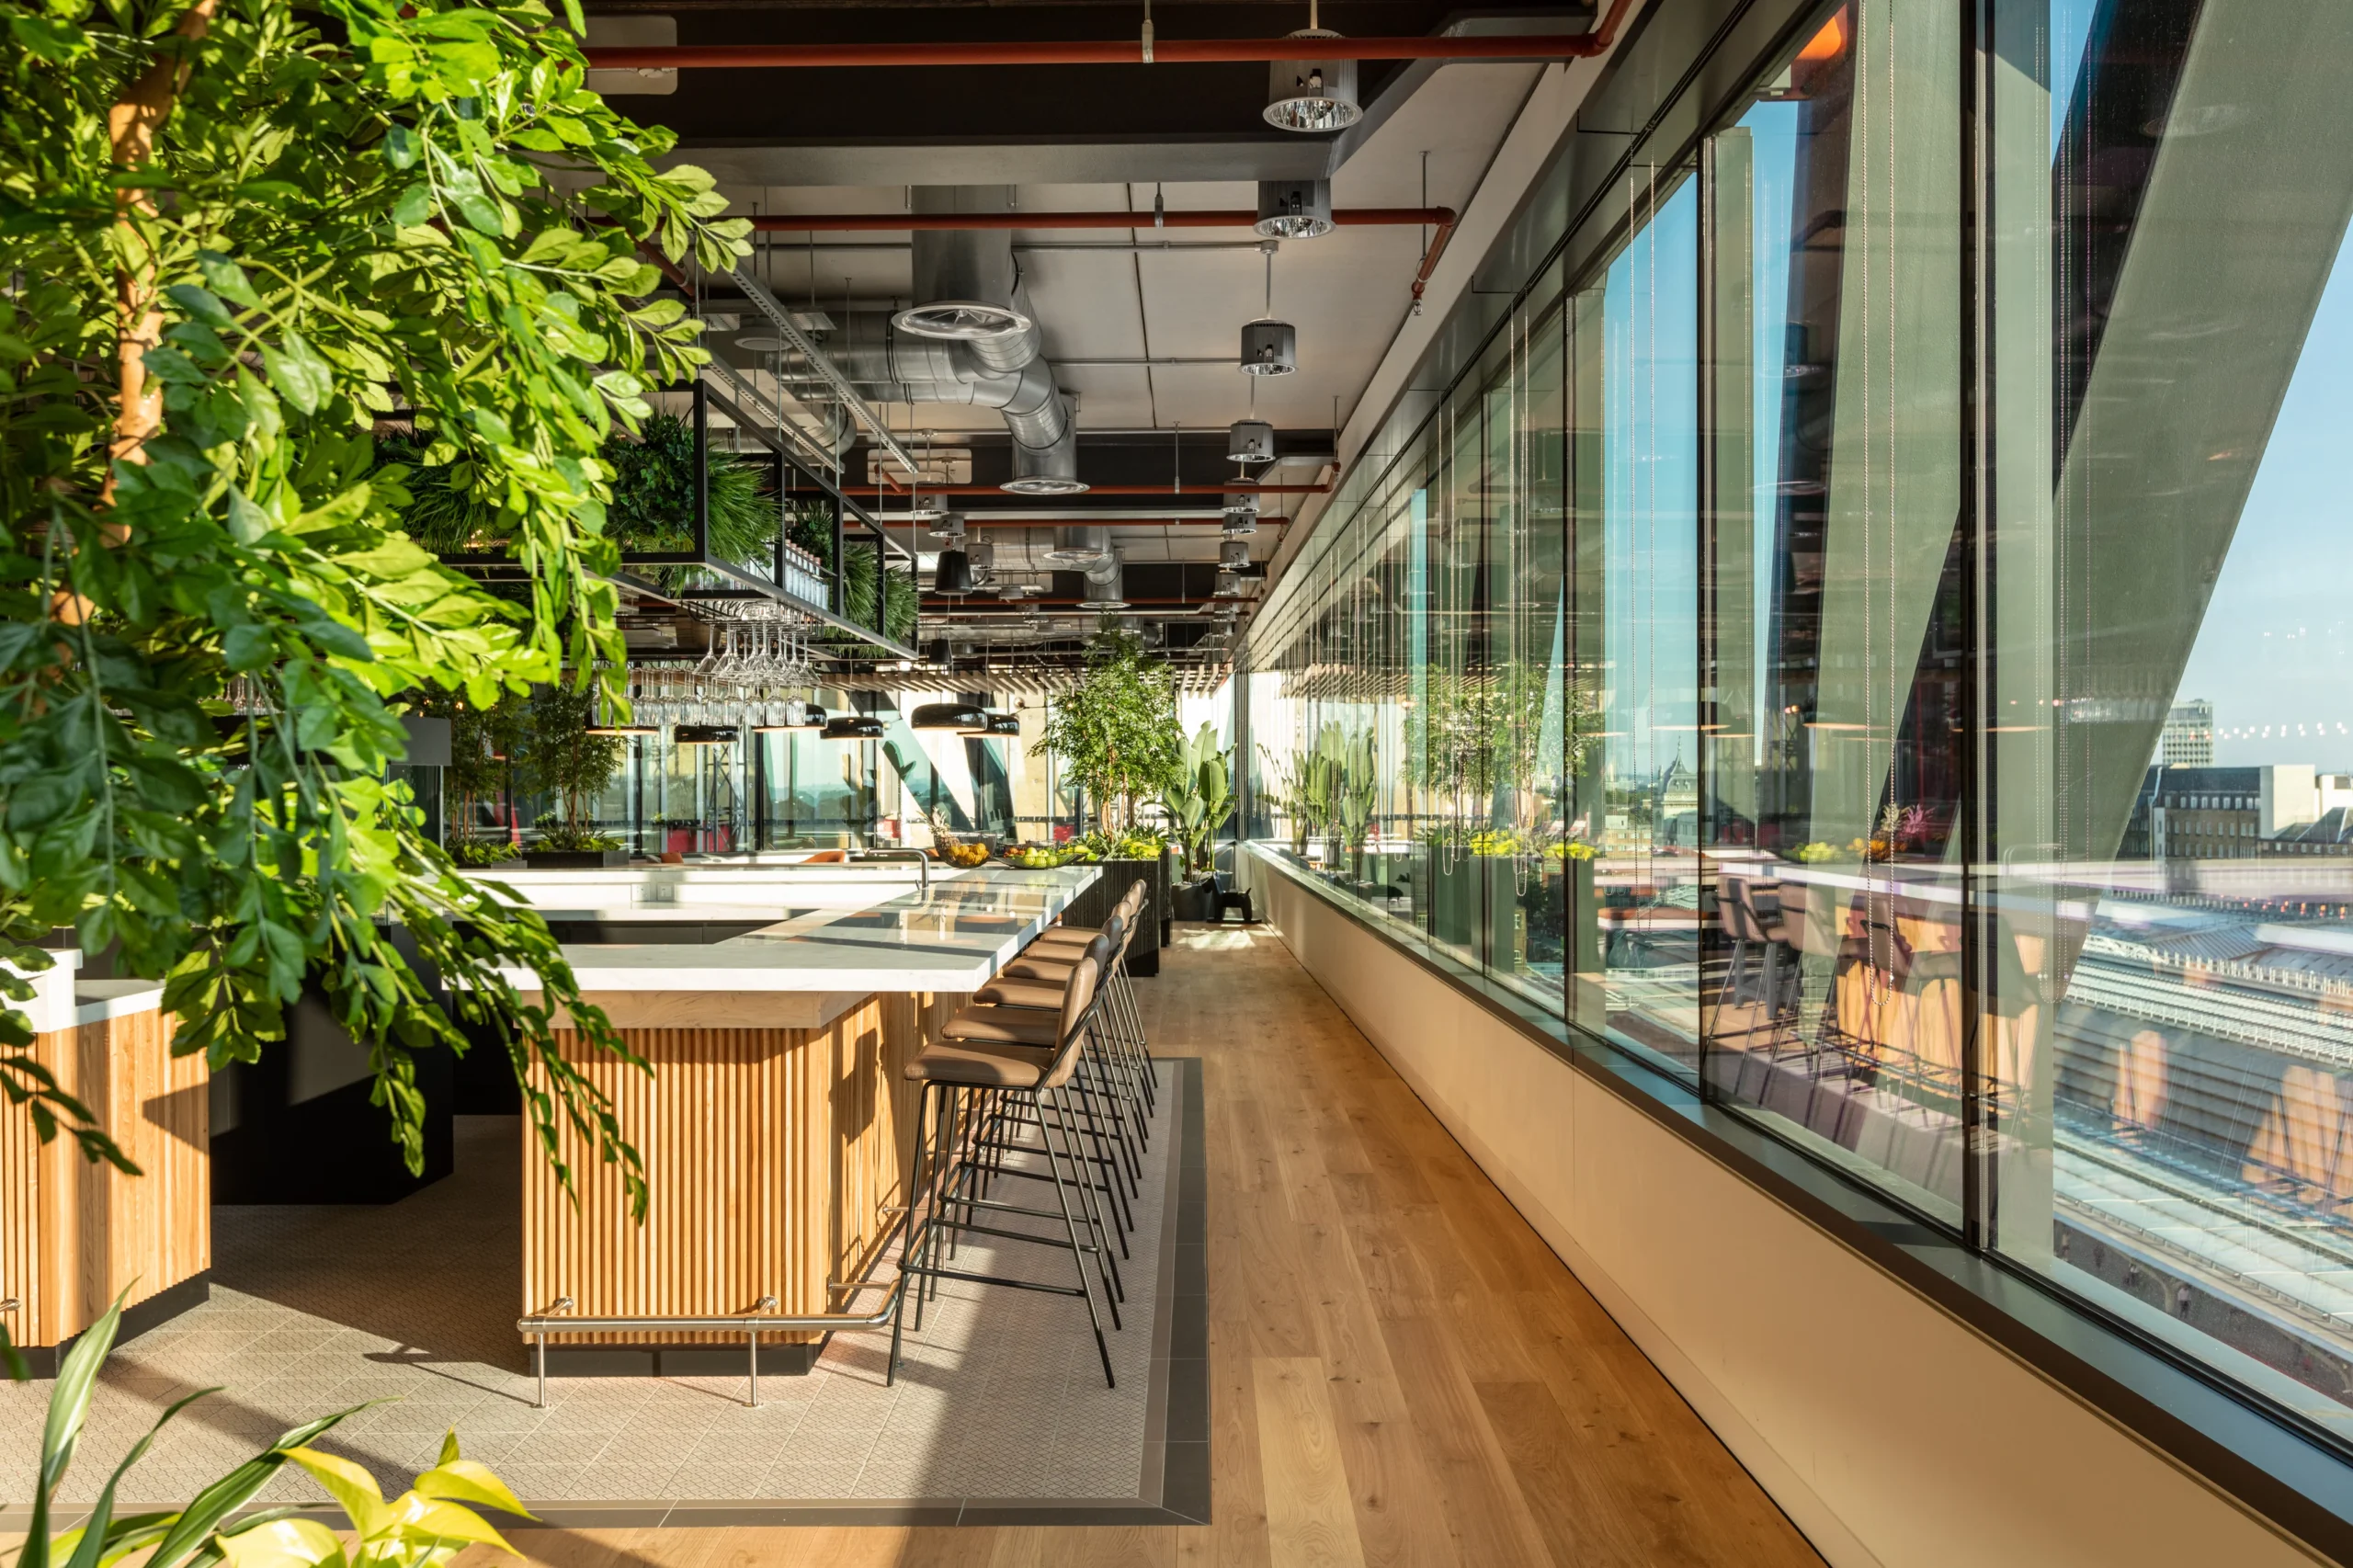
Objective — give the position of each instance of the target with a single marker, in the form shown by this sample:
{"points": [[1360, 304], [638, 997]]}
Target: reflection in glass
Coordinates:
{"points": [[2167, 882], [1835, 1005], [1907, 698]]}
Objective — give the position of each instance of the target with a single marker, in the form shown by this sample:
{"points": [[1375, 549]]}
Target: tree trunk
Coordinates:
{"points": [[132, 125]]}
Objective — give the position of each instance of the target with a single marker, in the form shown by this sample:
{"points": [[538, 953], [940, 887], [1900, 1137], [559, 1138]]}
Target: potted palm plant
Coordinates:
{"points": [[1199, 798]]}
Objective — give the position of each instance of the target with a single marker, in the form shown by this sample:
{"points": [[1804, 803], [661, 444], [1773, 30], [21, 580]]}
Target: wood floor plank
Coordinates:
{"points": [[1311, 1517], [1236, 1535], [1485, 1510], [1400, 1515]]}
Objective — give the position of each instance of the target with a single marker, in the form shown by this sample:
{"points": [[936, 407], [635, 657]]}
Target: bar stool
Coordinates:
{"points": [[1125, 1017], [1030, 1062], [997, 1122], [1035, 983], [1121, 1022]]}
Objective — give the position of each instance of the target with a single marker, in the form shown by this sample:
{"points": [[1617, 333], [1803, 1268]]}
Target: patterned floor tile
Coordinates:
{"points": [[316, 1309]]}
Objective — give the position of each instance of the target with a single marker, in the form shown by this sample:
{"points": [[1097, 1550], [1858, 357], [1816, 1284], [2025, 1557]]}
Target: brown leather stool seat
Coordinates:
{"points": [[1051, 969], [1028, 1029], [996, 1018], [980, 1065], [1022, 993]]}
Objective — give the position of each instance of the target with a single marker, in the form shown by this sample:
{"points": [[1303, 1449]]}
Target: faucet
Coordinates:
{"points": [[922, 860]]}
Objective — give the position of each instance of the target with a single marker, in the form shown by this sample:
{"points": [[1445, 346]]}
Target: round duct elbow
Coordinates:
{"points": [[964, 320], [1079, 546], [1106, 583]]}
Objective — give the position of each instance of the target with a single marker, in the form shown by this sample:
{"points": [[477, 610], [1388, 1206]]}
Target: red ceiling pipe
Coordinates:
{"points": [[1441, 218], [1107, 490], [994, 606], [1086, 52], [1114, 52], [973, 521], [1210, 218]]}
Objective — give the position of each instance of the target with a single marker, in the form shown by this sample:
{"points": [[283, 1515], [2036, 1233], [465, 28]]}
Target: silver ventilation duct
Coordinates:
{"points": [[1080, 546], [1106, 583], [972, 338], [874, 353]]}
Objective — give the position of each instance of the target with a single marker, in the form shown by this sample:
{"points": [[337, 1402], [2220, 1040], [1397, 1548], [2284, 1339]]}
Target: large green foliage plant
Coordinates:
{"points": [[1115, 730], [234, 235]]}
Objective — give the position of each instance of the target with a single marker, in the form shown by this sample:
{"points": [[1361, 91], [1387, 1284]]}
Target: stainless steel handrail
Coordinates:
{"points": [[556, 1319]]}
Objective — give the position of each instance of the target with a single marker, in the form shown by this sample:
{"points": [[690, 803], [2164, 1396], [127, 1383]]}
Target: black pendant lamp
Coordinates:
{"points": [[961, 716], [954, 573], [702, 735], [1004, 725], [852, 727]]}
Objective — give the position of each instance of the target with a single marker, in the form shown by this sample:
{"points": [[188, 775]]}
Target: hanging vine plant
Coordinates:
{"points": [[241, 233]]}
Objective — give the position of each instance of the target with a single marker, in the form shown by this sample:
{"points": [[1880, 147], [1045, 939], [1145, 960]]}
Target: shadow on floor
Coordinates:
{"points": [[440, 1273]]}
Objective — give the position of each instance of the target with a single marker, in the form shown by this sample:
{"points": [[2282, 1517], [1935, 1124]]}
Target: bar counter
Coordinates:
{"points": [[774, 1127], [74, 1235]]}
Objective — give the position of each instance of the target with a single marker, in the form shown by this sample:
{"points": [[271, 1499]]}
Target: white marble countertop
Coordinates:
{"points": [[64, 998], [953, 937], [645, 891]]}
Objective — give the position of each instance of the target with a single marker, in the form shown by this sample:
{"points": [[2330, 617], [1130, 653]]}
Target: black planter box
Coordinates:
{"points": [[1194, 901], [573, 859], [298, 1127], [1094, 907]]}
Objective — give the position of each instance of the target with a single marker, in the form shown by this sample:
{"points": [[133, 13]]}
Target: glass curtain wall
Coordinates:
{"points": [[1875, 645]]}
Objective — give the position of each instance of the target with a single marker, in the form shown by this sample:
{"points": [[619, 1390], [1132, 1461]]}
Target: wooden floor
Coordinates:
{"points": [[1402, 1372]]}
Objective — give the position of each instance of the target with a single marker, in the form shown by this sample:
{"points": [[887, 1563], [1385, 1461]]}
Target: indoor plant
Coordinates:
{"points": [[561, 758], [425, 1527], [372, 204], [653, 505], [1199, 798], [1115, 730]]}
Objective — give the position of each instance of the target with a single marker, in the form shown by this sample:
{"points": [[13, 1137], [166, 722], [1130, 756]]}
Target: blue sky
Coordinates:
{"points": [[2276, 650]]}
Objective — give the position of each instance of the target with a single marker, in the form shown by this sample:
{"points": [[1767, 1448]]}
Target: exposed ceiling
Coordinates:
{"points": [[1140, 325]]}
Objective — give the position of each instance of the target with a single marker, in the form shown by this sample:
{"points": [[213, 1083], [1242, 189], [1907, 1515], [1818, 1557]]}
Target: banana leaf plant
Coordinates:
{"points": [[1353, 784], [1198, 797], [425, 1525], [1283, 788]]}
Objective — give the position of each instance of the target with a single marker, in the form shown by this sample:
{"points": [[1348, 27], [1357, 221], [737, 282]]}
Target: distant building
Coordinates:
{"points": [[2326, 826], [2237, 813], [2188, 737]]}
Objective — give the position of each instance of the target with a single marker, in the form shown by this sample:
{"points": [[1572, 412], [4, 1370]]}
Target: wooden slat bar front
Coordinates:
{"points": [[774, 1156], [72, 1234]]}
